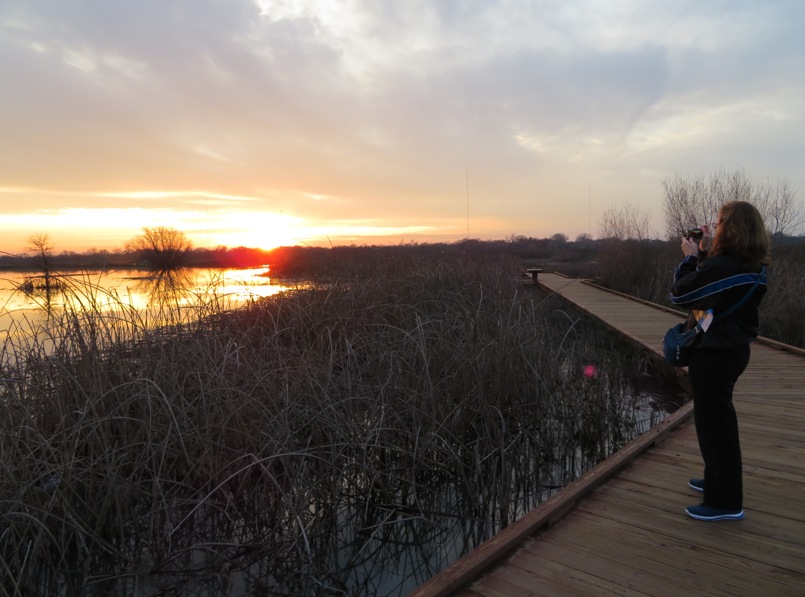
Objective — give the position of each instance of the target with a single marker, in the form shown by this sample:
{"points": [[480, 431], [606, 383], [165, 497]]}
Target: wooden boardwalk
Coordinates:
{"points": [[621, 529]]}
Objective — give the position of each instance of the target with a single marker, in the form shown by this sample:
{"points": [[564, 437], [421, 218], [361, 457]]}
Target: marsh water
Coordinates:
{"points": [[27, 299], [364, 535]]}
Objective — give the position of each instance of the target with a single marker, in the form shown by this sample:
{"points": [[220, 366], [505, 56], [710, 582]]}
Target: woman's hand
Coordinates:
{"points": [[706, 242], [690, 248]]}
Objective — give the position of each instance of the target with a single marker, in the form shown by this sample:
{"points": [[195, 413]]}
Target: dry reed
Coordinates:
{"points": [[349, 439]]}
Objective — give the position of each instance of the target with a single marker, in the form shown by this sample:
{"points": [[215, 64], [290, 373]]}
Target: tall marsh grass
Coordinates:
{"points": [[349, 439]]}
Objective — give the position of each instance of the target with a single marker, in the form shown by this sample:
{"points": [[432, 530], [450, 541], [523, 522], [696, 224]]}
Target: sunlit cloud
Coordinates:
{"points": [[174, 195], [263, 121], [208, 229], [359, 229], [570, 145], [152, 194], [78, 221], [263, 230]]}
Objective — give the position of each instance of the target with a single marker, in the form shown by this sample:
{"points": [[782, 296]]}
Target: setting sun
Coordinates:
{"points": [[258, 230]]}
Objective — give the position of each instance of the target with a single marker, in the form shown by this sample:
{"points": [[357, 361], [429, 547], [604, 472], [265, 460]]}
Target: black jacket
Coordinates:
{"points": [[717, 283]]}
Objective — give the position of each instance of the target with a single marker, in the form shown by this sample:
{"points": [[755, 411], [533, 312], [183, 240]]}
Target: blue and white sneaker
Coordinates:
{"points": [[702, 512], [696, 485]]}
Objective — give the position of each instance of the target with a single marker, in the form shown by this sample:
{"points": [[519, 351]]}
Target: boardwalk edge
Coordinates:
{"points": [[469, 566]]}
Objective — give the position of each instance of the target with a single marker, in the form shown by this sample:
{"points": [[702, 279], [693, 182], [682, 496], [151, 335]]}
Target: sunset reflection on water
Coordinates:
{"points": [[130, 293]]}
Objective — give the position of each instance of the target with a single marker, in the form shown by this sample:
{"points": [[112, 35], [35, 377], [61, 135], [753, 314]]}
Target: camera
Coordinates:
{"points": [[695, 233]]}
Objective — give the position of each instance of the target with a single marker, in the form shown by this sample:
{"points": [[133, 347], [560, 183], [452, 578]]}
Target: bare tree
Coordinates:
{"points": [[163, 248], [624, 222], [782, 213], [626, 255], [692, 201], [41, 247]]}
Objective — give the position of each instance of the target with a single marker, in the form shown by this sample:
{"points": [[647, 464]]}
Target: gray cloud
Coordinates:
{"points": [[386, 105]]}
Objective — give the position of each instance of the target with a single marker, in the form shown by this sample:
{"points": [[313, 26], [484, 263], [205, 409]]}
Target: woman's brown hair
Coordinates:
{"points": [[742, 233]]}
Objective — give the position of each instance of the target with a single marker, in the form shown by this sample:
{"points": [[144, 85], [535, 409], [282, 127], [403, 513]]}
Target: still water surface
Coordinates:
{"points": [[25, 302]]}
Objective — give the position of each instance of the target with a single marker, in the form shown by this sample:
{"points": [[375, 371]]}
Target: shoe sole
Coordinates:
{"points": [[736, 516], [696, 488]]}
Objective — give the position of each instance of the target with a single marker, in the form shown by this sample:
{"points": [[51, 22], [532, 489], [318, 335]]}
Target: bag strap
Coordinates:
{"points": [[745, 298]]}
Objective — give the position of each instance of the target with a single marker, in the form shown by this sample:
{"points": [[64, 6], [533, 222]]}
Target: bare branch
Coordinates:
{"points": [[692, 201]]}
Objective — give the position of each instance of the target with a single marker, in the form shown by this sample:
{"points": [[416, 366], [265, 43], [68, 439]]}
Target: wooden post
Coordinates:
{"points": [[534, 273]]}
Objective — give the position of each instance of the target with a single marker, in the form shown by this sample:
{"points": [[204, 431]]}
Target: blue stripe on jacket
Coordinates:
{"points": [[719, 286], [688, 259]]}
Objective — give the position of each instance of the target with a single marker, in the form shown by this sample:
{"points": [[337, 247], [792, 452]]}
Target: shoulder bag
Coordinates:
{"points": [[678, 341]]}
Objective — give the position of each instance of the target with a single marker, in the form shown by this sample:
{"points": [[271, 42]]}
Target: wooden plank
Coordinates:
{"points": [[652, 502], [663, 559], [557, 574], [502, 543]]}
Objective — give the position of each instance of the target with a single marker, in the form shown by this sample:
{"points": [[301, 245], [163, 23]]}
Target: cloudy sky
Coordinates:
{"points": [[267, 122]]}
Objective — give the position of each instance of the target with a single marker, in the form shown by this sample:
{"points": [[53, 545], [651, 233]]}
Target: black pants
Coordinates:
{"points": [[713, 374]]}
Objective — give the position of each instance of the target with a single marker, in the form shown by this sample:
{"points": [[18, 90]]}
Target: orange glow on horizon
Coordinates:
{"points": [[111, 228], [255, 230]]}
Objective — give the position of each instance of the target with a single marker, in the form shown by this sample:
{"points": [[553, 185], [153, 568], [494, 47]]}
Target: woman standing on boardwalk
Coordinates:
{"points": [[717, 280]]}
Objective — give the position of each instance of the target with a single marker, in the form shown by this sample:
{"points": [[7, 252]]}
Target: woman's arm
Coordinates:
{"points": [[702, 286]]}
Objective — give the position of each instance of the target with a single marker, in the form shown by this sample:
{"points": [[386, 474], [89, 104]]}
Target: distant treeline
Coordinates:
{"points": [[299, 260], [125, 259], [308, 260]]}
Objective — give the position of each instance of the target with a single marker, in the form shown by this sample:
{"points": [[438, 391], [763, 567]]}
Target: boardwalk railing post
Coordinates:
{"points": [[534, 272]]}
